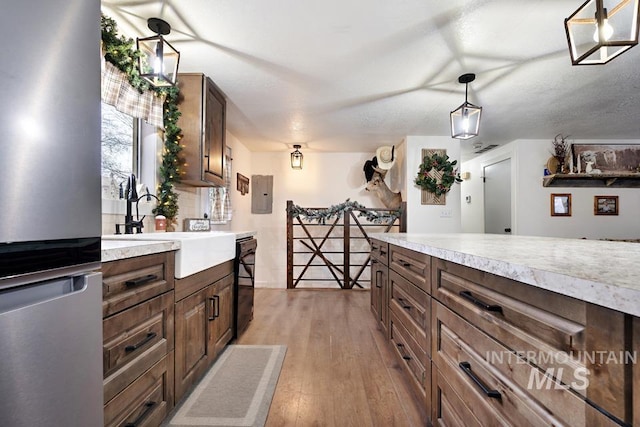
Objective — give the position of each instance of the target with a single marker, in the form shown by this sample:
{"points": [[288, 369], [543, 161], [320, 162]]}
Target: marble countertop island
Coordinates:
{"points": [[601, 272]]}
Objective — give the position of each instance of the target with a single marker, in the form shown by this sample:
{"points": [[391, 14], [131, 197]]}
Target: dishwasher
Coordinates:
{"points": [[244, 283]]}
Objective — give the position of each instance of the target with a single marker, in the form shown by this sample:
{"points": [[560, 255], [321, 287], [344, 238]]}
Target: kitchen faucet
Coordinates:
{"points": [[131, 196]]}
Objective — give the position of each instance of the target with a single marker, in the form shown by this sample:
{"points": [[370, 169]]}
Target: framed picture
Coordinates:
{"points": [[560, 204], [242, 184], [606, 158], [605, 205]]}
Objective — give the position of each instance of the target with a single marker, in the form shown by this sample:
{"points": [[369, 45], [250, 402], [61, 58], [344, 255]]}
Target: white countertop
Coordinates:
{"points": [[113, 250], [121, 248], [601, 272]]}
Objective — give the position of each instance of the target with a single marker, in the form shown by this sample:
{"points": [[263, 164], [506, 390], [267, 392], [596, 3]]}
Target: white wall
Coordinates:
{"points": [[430, 218], [240, 205], [326, 179], [472, 214], [530, 200]]}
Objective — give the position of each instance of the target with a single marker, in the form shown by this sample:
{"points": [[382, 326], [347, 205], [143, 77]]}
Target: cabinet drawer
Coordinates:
{"points": [[380, 251], [524, 395], [412, 357], [547, 329], [147, 401], [449, 409], [130, 281], [412, 265], [412, 308], [134, 340]]}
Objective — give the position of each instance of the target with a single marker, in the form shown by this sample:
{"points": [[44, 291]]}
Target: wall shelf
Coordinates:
{"points": [[609, 180]]}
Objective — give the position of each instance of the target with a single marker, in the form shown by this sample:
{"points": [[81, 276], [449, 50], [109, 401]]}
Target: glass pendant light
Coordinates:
{"points": [[600, 30], [158, 62], [296, 157], [465, 120]]}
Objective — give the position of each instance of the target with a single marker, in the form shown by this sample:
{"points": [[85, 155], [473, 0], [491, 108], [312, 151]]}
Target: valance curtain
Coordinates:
{"points": [[117, 91], [220, 197]]}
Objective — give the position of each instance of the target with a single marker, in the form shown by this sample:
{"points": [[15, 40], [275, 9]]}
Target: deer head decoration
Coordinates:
{"points": [[375, 170]]}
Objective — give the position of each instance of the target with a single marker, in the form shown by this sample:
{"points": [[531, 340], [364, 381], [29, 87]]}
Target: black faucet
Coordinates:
{"points": [[131, 196]]}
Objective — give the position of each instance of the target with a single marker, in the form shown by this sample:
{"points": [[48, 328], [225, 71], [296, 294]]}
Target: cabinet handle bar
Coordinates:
{"points": [[466, 368]]}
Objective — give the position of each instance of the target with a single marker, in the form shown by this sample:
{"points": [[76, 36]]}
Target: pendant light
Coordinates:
{"points": [[596, 34], [296, 157], [465, 120], [158, 63]]}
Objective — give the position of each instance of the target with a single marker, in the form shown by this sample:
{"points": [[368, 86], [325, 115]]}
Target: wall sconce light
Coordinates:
{"points": [[158, 63], [597, 34], [296, 157], [465, 120]]}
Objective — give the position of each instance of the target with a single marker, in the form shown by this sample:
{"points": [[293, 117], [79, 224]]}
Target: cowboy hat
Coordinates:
{"points": [[386, 156]]}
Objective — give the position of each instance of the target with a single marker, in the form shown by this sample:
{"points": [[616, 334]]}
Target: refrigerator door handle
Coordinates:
{"points": [[40, 293]]}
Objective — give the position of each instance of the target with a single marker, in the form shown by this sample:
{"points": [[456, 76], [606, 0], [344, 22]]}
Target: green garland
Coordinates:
{"points": [[323, 215], [438, 163], [120, 51]]}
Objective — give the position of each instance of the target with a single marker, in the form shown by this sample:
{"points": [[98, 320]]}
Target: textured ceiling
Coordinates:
{"points": [[351, 75]]}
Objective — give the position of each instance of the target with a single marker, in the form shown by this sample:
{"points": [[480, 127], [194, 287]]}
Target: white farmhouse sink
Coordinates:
{"points": [[198, 250]]}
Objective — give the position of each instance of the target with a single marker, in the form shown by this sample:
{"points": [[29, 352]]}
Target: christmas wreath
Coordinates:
{"points": [[438, 163]]}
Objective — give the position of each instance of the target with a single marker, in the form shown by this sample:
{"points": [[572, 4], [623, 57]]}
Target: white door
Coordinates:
{"points": [[497, 197]]}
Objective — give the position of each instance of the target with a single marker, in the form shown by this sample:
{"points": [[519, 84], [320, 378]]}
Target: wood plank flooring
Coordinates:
{"points": [[339, 370]]}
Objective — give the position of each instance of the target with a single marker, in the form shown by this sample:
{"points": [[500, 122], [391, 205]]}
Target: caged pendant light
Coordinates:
{"points": [[600, 30], [296, 157], [158, 63], [465, 120]]}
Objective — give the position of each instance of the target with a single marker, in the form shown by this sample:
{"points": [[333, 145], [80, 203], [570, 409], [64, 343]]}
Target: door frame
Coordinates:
{"points": [[510, 154]]}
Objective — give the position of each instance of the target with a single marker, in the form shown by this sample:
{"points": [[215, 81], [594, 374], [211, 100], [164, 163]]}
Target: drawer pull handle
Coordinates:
{"points": [[383, 252], [404, 356], [378, 280], [215, 307], [466, 368], [406, 264], [148, 408], [467, 295], [149, 337], [141, 280], [373, 261], [404, 304]]}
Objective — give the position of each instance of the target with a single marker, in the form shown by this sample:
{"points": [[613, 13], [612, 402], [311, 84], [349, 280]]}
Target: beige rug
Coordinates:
{"points": [[237, 390]]}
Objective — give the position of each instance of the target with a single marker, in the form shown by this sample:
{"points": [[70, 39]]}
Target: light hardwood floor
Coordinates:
{"points": [[339, 370]]}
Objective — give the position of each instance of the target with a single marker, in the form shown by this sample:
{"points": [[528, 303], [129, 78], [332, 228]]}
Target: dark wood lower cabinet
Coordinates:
{"points": [[485, 350], [160, 334], [203, 325], [138, 339]]}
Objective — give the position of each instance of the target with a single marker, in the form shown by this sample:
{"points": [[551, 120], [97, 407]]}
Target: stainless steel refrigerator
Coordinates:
{"points": [[50, 220]]}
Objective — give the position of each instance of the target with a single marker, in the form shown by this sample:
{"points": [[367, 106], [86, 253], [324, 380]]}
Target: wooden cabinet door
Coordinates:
{"points": [[191, 341], [379, 294], [203, 114], [214, 130], [376, 289], [220, 324]]}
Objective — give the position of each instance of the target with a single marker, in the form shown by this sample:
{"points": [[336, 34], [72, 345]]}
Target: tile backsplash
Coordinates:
{"points": [[189, 202]]}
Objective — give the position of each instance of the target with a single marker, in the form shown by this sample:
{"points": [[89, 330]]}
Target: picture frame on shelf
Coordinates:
{"points": [[605, 205], [560, 204]]}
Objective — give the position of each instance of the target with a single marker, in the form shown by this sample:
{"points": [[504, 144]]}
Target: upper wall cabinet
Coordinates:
{"points": [[203, 113]]}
